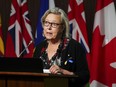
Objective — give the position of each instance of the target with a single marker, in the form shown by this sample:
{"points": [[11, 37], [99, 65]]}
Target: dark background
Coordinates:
{"points": [[33, 6]]}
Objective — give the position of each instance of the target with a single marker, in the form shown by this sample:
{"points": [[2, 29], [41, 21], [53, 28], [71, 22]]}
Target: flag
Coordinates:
{"points": [[1, 40], [19, 41], [103, 50], [44, 5], [77, 22], [78, 29]]}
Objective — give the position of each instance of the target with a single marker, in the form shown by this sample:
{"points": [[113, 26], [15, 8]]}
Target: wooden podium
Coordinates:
{"points": [[29, 79]]}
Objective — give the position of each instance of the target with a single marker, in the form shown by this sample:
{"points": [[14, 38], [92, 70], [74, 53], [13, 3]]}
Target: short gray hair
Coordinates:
{"points": [[64, 19]]}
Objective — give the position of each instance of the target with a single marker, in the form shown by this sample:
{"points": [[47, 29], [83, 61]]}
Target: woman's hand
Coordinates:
{"points": [[54, 69]]}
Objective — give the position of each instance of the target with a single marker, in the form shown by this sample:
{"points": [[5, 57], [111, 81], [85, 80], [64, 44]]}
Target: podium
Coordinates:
{"points": [[30, 79]]}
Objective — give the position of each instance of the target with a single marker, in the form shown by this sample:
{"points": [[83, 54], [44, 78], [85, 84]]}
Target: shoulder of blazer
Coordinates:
{"points": [[41, 44], [75, 43]]}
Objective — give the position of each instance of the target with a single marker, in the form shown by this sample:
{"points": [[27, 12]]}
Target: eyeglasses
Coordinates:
{"points": [[52, 24]]}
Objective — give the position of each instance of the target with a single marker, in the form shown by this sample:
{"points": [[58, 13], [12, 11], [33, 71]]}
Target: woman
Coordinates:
{"points": [[59, 52]]}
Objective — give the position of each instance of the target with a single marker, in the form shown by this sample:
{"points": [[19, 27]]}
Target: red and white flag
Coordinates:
{"points": [[103, 52], [19, 37], [77, 22]]}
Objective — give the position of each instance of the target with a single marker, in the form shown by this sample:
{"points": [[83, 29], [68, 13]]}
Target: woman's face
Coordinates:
{"points": [[52, 27]]}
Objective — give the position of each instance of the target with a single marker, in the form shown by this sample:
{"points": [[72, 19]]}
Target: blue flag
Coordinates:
{"points": [[44, 5]]}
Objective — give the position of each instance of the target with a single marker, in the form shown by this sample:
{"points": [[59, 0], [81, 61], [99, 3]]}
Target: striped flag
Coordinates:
{"points": [[44, 5], [1, 40], [19, 37], [77, 22], [103, 52]]}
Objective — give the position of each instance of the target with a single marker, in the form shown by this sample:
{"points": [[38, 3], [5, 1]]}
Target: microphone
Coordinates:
{"points": [[25, 48]]}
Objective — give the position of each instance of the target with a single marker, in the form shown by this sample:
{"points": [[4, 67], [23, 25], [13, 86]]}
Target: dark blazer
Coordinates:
{"points": [[73, 58]]}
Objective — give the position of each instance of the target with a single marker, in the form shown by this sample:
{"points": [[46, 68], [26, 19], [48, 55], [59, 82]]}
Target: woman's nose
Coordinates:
{"points": [[50, 27]]}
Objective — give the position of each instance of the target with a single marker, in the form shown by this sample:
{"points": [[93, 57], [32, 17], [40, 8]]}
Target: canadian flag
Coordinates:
{"points": [[103, 50]]}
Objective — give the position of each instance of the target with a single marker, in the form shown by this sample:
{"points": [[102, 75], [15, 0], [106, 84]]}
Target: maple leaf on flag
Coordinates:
{"points": [[103, 50]]}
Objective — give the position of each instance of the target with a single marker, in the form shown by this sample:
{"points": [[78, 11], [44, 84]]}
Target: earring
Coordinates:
{"points": [[43, 35]]}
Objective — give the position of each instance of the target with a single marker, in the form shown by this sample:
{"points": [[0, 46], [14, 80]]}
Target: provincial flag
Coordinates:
{"points": [[76, 15], [77, 22], [19, 41], [44, 5], [103, 50], [1, 40]]}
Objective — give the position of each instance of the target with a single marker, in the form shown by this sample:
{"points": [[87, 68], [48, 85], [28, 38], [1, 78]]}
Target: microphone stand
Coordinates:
{"points": [[25, 48]]}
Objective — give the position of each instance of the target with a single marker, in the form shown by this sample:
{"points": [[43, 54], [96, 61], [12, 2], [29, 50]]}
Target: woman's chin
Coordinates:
{"points": [[50, 38]]}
